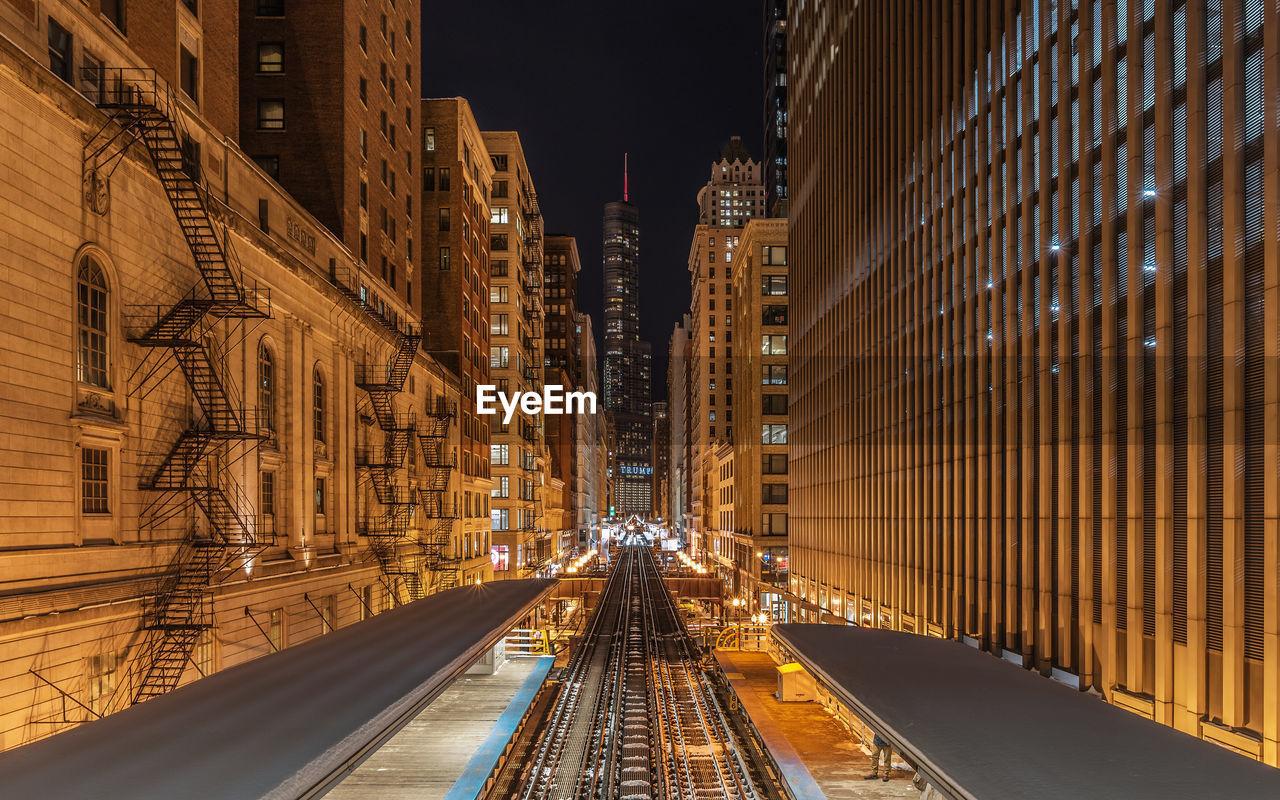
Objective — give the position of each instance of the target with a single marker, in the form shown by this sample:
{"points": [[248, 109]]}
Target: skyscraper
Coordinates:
{"points": [[732, 195], [627, 360], [775, 107]]}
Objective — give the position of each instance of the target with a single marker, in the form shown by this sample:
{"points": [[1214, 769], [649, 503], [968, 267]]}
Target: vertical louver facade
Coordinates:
{"points": [[1035, 314]]}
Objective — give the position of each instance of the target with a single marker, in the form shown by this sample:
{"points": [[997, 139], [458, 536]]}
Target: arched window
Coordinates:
{"points": [[91, 305], [266, 387], [317, 404]]}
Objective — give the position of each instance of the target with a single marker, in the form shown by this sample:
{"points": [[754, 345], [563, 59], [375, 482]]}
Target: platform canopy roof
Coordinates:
{"points": [[282, 726], [981, 727]]}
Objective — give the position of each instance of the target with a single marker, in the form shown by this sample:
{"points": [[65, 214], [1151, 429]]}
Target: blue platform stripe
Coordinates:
{"points": [[470, 784]]}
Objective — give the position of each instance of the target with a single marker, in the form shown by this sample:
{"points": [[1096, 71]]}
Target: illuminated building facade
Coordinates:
{"points": [[1033, 313]]}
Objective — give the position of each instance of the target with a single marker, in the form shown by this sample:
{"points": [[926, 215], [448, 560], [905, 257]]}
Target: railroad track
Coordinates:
{"points": [[636, 718]]}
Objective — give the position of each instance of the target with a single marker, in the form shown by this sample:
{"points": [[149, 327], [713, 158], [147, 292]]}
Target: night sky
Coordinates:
{"points": [[583, 82]]}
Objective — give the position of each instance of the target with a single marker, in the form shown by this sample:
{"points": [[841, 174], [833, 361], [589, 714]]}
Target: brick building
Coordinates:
{"points": [[328, 107], [518, 458], [456, 179]]}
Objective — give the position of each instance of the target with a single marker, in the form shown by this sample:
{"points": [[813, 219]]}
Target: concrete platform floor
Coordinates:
{"points": [[426, 758], [804, 737]]}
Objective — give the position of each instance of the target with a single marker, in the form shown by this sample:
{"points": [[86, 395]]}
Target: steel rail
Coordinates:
{"points": [[635, 683]]}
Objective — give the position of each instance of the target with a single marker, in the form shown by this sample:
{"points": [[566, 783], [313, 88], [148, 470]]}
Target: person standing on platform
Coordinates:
{"points": [[882, 753]]}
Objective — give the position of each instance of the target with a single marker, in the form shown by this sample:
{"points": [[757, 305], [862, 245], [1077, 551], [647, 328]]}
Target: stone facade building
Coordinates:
{"points": [[733, 195], [222, 438]]}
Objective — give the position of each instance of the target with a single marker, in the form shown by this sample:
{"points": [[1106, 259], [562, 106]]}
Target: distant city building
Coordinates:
{"points": [[678, 364], [761, 506], [517, 451], [1033, 394], [735, 193], [331, 112], [661, 460], [454, 284], [735, 180], [562, 366], [775, 107], [627, 362], [590, 437]]}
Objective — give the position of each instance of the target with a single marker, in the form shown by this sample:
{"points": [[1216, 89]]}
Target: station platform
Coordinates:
{"points": [[816, 755], [979, 726], [450, 749], [286, 725]]}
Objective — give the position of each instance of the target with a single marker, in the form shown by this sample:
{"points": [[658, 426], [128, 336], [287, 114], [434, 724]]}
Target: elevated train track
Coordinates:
{"points": [[636, 718]]}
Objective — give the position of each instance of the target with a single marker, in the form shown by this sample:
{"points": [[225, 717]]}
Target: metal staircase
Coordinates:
{"points": [[433, 488], [142, 109], [381, 464], [533, 315]]}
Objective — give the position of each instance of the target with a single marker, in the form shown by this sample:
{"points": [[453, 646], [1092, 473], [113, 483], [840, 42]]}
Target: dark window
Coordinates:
{"points": [[774, 493], [91, 288], [193, 6], [189, 67], [59, 50], [271, 114], [95, 480], [271, 58], [444, 179], [271, 8], [269, 165], [364, 39], [428, 179], [318, 404], [444, 259], [364, 195], [364, 91], [499, 163], [499, 189], [444, 219], [773, 464], [773, 404], [114, 11], [498, 241], [774, 315]]}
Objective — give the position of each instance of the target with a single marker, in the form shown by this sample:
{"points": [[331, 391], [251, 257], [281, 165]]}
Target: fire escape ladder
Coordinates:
{"points": [[385, 531], [174, 619], [146, 110], [433, 490]]}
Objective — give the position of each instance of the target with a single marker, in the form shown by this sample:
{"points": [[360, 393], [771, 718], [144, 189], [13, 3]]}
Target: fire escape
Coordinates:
{"points": [[438, 510], [196, 331], [533, 314], [380, 464]]}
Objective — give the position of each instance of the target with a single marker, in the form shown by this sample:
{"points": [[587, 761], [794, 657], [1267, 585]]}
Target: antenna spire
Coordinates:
{"points": [[624, 176]]}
